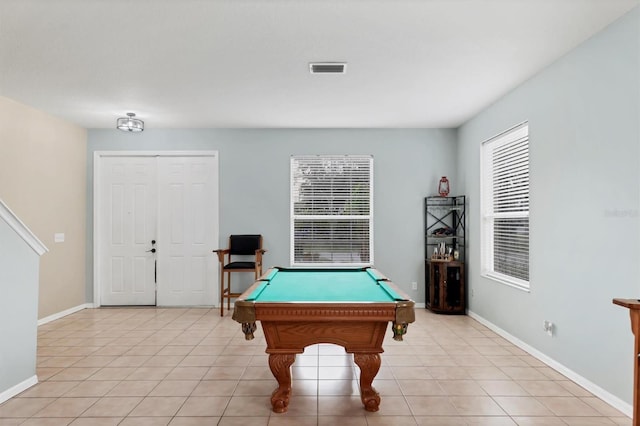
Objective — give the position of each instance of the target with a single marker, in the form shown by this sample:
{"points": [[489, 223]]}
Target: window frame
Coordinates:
{"points": [[511, 136], [297, 217]]}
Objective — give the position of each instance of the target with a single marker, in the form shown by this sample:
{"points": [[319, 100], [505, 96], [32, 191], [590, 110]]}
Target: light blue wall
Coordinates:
{"points": [[19, 266], [584, 119], [254, 183]]}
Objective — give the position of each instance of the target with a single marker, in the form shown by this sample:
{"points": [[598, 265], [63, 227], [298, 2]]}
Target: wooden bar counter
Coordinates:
{"points": [[634, 311]]}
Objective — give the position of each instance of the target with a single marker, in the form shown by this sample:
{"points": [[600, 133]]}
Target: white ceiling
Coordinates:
{"points": [[244, 63]]}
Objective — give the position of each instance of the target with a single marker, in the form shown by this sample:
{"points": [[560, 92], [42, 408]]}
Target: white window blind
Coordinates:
{"points": [[331, 210], [505, 202]]}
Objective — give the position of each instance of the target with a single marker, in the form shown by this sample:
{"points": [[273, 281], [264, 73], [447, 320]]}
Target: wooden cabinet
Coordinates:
{"points": [[445, 287]]}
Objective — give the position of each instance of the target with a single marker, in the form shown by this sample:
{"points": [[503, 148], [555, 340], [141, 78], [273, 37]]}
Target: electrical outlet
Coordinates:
{"points": [[548, 327], [414, 285]]}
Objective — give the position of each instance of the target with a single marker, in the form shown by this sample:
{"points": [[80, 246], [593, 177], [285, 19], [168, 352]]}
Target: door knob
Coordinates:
{"points": [[153, 241], [152, 250]]}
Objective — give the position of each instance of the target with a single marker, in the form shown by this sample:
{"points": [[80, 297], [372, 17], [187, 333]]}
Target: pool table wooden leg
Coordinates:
{"points": [[280, 365], [369, 365]]}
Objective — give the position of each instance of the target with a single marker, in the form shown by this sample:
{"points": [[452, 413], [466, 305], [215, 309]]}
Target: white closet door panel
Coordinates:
{"points": [[127, 224], [188, 231]]}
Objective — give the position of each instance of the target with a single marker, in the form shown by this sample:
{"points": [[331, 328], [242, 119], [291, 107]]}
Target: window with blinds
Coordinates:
{"points": [[332, 210], [505, 207]]}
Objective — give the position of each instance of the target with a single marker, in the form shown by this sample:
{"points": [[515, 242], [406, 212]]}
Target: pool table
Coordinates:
{"points": [[301, 307]]}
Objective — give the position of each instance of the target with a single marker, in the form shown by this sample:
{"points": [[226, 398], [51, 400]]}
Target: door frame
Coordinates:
{"points": [[97, 168]]}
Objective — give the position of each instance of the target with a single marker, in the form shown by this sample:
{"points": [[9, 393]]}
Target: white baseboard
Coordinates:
{"points": [[64, 313], [20, 387], [607, 397]]}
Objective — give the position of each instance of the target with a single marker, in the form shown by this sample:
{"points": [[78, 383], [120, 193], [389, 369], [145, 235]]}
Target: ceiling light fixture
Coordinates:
{"points": [[130, 123]]}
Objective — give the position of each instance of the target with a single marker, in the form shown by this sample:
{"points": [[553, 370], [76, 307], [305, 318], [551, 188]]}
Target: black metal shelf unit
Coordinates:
{"points": [[445, 253]]}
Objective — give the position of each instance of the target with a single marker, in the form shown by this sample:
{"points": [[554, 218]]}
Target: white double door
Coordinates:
{"points": [[156, 224]]}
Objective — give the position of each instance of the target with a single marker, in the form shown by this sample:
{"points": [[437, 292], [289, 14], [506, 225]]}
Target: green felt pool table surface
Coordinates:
{"points": [[323, 285]]}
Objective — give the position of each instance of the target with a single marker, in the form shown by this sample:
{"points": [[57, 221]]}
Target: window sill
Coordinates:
{"points": [[502, 279], [330, 265]]}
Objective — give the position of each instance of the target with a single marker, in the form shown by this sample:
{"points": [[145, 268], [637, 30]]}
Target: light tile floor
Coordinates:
{"points": [[184, 367]]}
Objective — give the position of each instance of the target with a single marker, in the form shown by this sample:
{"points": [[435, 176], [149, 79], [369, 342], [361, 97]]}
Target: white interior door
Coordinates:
{"points": [[187, 231], [172, 201], [128, 200]]}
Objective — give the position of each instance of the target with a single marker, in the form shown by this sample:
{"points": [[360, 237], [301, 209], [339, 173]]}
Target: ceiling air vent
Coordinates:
{"points": [[328, 67]]}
